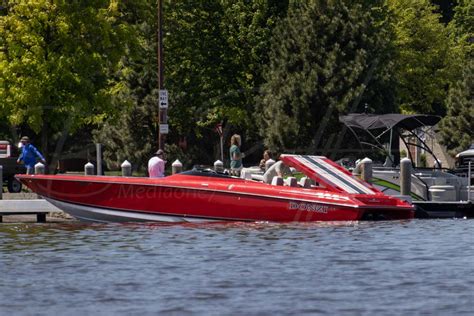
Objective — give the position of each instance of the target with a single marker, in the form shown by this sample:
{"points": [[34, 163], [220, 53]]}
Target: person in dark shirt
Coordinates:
{"points": [[29, 154]]}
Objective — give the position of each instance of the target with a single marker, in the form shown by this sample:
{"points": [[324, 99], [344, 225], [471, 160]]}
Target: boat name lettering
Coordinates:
{"points": [[310, 207]]}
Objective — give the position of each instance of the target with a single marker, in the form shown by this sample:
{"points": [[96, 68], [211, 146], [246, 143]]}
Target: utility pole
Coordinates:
{"points": [[162, 107]]}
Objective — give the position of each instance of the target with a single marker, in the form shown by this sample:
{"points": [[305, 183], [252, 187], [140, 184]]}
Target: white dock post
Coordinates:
{"points": [[126, 169], [39, 168], [176, 167], [89, 169], [366, 166], [405, 177]]}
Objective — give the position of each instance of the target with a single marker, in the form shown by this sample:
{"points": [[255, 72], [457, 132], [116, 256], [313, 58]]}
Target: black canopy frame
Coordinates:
{"points": [[377, 126]]}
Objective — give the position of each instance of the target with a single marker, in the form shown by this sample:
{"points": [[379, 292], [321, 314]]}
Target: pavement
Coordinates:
{"points": [[50, 218], [20, 196], [55, 217]]}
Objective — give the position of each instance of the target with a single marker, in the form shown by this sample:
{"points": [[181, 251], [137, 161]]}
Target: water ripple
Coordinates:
{"points": [[348, 268]]}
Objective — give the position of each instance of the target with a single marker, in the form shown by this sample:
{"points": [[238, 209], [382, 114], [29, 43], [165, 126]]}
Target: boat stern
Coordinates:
{"points": [[384, 207]]}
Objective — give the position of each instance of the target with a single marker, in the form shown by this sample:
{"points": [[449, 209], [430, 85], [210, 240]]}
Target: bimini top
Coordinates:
{"points": [[388, 121]]}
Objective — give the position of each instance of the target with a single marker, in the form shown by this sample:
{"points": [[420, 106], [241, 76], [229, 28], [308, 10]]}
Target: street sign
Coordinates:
{"points": [[219, 129], [163, 99], [164, 129]]}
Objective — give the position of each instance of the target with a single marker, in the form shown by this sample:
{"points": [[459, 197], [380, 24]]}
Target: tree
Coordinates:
{"points": [[422, 65], [323, 58], [457, 128], [463, 21], [214, 52], [55, 62], [131, 133], [461, 31]]}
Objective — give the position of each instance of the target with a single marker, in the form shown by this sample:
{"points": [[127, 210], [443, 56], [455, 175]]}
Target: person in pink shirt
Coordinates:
{"points": [[156, 165]]}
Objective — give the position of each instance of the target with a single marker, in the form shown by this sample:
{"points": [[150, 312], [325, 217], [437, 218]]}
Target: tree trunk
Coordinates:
{"points": [[60, 144], [14, 133]]}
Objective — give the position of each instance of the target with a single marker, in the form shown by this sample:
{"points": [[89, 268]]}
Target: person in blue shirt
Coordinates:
{"points": [[28, 155]]}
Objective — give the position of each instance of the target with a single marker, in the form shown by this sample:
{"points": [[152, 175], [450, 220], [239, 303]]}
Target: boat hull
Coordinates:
{"points": [[110, 199], [102, 215]]}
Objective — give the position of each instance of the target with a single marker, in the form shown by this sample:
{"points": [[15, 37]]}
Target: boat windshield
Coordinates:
{"points": [[327, 173]]}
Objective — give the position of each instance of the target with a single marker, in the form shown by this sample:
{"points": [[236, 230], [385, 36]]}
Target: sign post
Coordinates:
{"points": [[219, 131], [163, 103], [163, 118]]}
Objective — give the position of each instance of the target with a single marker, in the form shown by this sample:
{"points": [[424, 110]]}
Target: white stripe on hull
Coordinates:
{"points": [[100, 215]]}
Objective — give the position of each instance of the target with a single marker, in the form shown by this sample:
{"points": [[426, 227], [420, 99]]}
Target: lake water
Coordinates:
{"points": [[366, 268]]}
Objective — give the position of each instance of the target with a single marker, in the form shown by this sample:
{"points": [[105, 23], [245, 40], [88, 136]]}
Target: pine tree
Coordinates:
{"points": [[422, 69], [457, 128], [322, 59]]}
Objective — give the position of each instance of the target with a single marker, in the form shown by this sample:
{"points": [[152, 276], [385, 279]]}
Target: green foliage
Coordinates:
{"points": [[461, 36], [214, 52], [457, 128], [69, 66], [422, 65], [463, 22], [55, 62], [128, 137], [322, 59]]}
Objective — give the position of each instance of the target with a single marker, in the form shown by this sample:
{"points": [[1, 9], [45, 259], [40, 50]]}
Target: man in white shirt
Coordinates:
{"points": [[156, 165]]}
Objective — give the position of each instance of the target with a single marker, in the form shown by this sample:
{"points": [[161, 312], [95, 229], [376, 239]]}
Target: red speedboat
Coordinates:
{"points": [[327, 192]]}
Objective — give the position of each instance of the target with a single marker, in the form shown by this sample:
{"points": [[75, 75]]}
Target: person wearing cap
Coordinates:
{"points": [[156, 165], [29, 154]]}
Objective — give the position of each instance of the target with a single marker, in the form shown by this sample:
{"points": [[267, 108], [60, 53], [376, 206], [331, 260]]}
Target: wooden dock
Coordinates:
{"points": [[37, 207], [441, 209]]}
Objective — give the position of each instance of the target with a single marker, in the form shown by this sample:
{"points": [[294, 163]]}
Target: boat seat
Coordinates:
{"points": [[277, 180], [246, 175], [305, 182], [291, 182]]}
